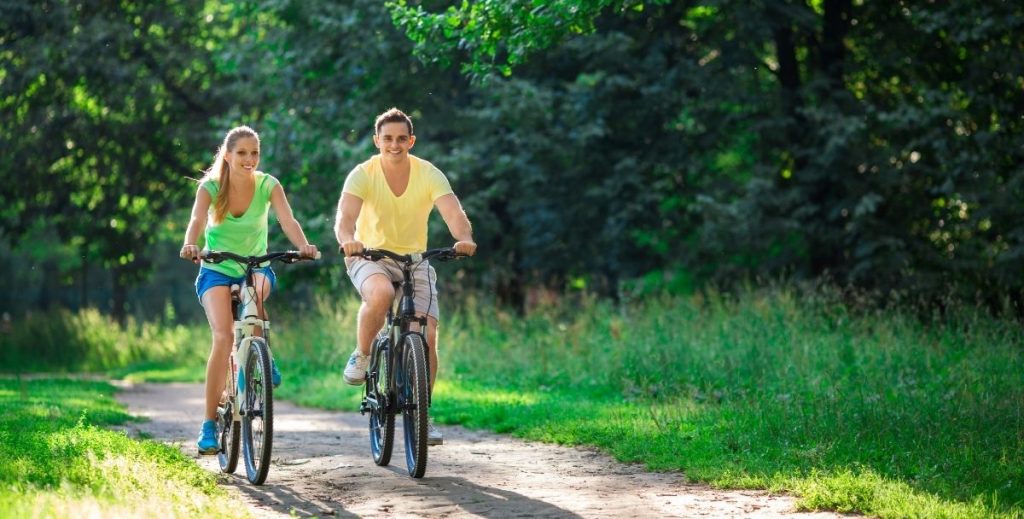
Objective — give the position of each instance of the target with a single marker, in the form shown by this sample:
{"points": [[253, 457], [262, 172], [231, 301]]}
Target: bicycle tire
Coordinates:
{"points": [[382, 417], [227, 456], [413, 403], [258, 417]]}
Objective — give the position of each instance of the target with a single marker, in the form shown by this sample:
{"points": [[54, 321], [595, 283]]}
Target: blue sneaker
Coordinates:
{"points": [[275, 375], [208, 438]]}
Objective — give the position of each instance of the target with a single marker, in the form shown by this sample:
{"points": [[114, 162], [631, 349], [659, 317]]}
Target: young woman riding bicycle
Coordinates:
{"points": [[232, 207]]}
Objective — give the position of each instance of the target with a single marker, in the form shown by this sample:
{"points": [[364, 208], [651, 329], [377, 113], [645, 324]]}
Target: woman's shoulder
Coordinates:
{"points": [[210, 185], [265, 179]]}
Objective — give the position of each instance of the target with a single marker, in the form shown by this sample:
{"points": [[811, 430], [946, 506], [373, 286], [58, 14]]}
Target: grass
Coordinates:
{"points": [[60, 460], [880, 413]]}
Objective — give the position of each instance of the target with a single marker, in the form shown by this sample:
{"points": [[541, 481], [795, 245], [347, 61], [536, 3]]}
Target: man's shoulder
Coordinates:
{"points": [[367, 166], [423, 165]]}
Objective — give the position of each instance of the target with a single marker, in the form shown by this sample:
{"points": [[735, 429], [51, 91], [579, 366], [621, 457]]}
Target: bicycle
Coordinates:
{"points": [[399, 372], [254, 415]]}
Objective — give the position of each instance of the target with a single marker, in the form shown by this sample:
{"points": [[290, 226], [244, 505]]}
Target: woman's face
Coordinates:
{"points": [[245, 156]]}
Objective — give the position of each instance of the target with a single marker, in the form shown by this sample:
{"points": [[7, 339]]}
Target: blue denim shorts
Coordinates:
{"points": [[208, 279]]}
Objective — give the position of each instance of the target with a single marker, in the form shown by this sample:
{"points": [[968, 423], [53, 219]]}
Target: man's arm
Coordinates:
{"points": [[349, 206], [458, 223]]}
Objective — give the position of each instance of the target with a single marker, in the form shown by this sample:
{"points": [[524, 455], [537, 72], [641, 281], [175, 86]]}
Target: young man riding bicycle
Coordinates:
{"points": [[385, 204]]}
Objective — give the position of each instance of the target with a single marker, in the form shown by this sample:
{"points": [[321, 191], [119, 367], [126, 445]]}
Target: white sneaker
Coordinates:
{"points": [[434, 436], [355, 370]]}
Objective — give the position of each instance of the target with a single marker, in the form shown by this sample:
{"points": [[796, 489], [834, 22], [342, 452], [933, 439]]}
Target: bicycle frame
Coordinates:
{"points": [[246, 314], [397, 324]]}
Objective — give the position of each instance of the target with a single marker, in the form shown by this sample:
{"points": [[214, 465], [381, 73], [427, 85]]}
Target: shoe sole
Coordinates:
{"points": [[353, 382], [208, 452]]}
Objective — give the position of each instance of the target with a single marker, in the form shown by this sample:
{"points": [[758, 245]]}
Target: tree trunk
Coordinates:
{"points": [[83, 284], [118, 296], [833, 49]]}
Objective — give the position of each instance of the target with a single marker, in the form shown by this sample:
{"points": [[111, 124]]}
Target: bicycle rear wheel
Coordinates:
{"points": [[412, 400], [258, 412], [382, 419], [227, 427]]}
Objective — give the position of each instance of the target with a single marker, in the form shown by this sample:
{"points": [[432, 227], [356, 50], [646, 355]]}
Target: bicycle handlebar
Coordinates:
{"points": [[441, 254], [291, 256]]}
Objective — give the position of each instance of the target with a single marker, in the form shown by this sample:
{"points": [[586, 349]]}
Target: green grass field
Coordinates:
{"points": [[882, 413], [60, 459]]}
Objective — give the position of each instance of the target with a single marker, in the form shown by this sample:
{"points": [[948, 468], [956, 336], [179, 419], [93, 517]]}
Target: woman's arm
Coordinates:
{"points": [[196, 224], [289, 224]]}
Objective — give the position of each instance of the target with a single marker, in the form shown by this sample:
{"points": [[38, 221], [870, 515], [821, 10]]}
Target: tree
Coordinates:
{"points": [[103, 107], [884, 162]]}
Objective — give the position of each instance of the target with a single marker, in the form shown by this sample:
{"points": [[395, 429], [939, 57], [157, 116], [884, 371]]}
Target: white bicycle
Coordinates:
{"points": [[250, 419]]}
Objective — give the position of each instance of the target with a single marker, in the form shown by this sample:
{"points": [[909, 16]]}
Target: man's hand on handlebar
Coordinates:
{"points": [[465, 247], [351, 248]]}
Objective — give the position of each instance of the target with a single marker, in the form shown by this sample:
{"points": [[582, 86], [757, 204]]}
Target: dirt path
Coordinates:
{"points": [[322, 467]]}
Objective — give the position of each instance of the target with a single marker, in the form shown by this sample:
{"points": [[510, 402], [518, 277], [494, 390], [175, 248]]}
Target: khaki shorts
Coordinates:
{"points": [[424, 280]]}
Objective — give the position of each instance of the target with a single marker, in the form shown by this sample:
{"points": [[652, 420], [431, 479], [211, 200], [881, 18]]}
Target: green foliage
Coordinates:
{"points": [[803, 142], [783, 389], [102, 110], [91, 341], [59, 461], [497, 35], [871, 144]]}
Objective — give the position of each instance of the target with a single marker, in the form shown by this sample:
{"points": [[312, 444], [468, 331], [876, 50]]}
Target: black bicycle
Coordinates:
{"points": [[399, 372], [252, 357]]}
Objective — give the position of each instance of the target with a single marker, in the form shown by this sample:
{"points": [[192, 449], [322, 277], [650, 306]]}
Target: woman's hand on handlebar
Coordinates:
{"points": [[352, 248], [189, 252], [309, 251], [465, 247]]}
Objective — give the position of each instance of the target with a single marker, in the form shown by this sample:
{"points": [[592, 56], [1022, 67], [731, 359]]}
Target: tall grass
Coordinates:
{"points": [[767, 390], [89, 341], [873, 411]]}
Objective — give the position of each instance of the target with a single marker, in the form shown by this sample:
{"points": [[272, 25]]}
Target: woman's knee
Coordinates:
{"points": [[222, 339]]}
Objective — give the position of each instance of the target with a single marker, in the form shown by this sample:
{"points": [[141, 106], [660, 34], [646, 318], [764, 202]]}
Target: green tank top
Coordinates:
{"points": [[245, 235]]}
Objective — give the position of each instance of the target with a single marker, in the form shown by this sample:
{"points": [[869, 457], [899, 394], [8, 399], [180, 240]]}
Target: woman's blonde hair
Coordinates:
{"points": [[219, 169]]}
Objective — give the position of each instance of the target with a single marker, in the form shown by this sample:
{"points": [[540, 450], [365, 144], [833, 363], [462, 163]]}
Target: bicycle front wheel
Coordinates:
{"points": [[257, 412], [412, 400], [382, 418]]}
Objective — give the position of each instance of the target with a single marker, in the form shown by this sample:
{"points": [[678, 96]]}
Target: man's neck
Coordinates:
{"points": [[395, 167]]}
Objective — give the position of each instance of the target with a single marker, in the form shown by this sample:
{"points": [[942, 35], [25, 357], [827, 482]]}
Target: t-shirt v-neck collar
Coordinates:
{"points": [[387, 184], [255, 191]]}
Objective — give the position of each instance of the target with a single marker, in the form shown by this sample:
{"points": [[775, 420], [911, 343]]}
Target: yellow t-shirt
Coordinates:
{"points": [[395, 223]]}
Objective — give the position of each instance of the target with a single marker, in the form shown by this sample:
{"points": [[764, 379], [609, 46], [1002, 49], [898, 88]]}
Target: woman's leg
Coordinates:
{"points": [[263, 289], [217, 303]]}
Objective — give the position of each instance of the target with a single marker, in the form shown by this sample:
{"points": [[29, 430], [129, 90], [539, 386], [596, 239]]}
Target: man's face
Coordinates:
{"points": [[393, 140]]}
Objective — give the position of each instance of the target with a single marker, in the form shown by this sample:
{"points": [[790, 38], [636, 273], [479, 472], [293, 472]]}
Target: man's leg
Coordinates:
{"points": [[432, 349], [434, 436], [377, 293]]}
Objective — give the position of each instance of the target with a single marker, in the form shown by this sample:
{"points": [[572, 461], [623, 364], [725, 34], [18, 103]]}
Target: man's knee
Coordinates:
{"points": [[377, 292]]}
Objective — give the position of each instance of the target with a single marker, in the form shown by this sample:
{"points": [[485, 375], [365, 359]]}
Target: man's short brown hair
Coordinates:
{"points": [[392, 115]]}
